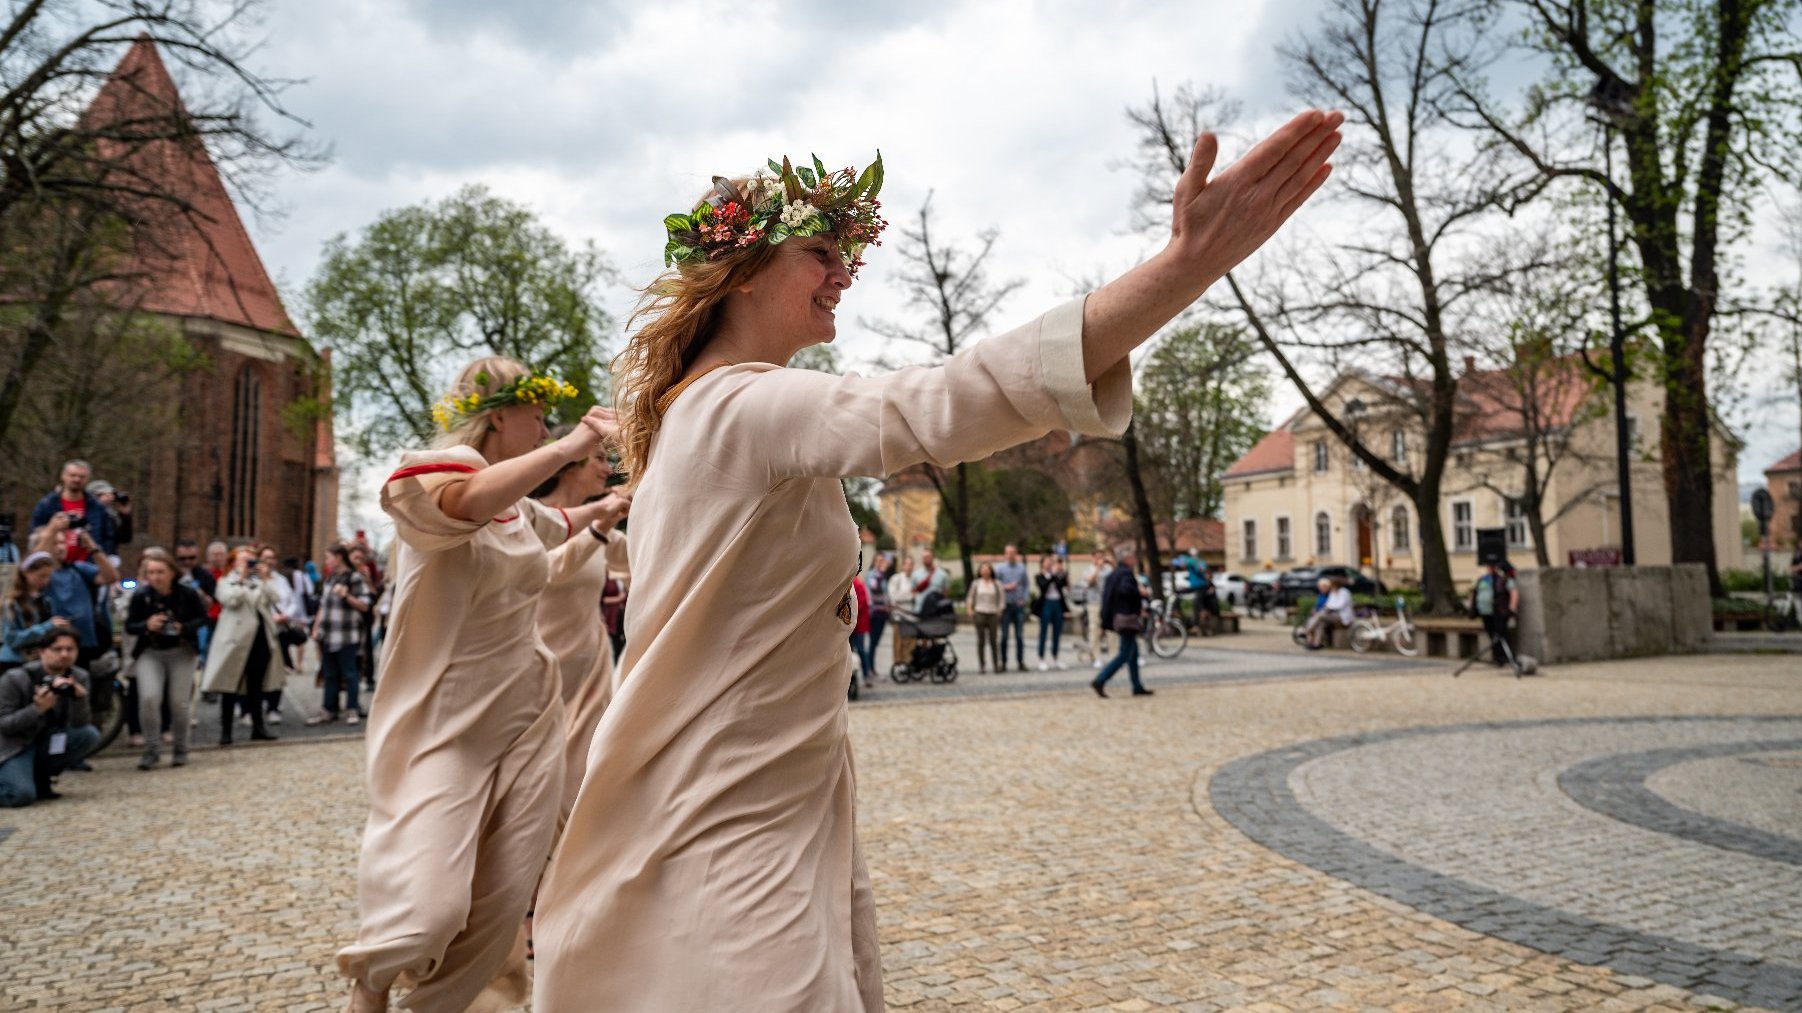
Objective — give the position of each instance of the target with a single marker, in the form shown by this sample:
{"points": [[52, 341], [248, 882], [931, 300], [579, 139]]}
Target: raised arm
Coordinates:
{"points": [[1215, 223], [493, 490]]}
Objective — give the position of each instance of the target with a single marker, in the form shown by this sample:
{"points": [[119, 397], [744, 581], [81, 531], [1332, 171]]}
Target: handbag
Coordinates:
{"points": [[1128, 622]]}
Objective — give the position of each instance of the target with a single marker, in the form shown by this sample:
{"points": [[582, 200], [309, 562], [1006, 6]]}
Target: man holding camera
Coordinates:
{"points": [[46, 726], [74, 584], [80, 511]]}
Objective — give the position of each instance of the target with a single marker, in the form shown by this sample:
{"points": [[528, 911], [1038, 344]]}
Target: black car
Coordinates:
{"points": [[1300, 583]]}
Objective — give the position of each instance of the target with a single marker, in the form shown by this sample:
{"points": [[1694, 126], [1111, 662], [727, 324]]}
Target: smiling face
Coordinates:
{"points": [[514, 430], [797, 293]]}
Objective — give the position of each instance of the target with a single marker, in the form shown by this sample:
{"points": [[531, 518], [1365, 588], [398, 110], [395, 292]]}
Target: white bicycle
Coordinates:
{"points": [[1372, 631]]}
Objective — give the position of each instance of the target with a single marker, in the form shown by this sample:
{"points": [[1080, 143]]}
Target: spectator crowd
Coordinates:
{"points": [[87, 650]]}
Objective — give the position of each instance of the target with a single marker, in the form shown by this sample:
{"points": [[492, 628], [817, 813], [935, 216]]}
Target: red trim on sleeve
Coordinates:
{"points": [[568, 528], [509, 517], [430, 469]]}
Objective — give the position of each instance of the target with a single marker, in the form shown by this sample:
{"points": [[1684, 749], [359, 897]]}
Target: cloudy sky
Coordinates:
{"points": [[604, 116]]}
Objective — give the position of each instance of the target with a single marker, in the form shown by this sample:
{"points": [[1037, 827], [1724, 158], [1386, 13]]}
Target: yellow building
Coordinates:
{"points": [[1300, 496]]}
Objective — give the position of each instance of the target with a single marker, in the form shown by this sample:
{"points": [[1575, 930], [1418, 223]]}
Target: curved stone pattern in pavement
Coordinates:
{"points": [[1617, 786], [1468, 823]]}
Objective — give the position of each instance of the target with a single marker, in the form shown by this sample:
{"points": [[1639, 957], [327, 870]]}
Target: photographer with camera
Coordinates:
{"points": [[165, 617], [244, 657], [118, 509], [81, 512], [74, 585], [25, 617], [46, 726]]}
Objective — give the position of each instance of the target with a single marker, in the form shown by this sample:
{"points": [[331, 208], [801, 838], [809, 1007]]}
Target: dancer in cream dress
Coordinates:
{"points": [[711, 861], [569, 614], [466, 732]]}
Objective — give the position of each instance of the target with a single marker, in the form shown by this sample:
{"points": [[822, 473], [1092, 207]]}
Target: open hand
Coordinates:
{"points": [[1219, 222], [604, 422]]}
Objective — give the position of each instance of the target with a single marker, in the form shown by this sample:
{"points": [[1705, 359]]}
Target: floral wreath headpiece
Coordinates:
{"points": [[530, 388], [770, 208]]}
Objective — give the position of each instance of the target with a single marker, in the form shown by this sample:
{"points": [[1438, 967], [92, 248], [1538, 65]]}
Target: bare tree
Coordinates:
{"points": [[84, 187], [1387, 304], [1703, 97], [953, 291]]}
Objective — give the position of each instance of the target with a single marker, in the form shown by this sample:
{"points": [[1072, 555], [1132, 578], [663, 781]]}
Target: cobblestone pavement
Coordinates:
{"points": [[1059, 852]]}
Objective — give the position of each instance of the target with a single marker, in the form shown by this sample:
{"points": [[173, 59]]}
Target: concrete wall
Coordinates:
{"points": [[1613, 612]]}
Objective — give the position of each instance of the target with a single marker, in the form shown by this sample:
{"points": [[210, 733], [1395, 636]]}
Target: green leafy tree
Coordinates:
{"points": [[426, 288], [1703, 99], [1018, 505], [1200, 407]]}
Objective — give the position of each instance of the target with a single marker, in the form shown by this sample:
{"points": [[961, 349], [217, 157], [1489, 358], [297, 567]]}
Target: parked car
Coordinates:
{"points": [[1299, 583], [1231, 589]]}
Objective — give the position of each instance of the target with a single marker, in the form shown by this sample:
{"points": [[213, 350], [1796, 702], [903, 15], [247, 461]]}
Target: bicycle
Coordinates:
{"points": [[1371, 631], [1164, 634], [1781, 614]]}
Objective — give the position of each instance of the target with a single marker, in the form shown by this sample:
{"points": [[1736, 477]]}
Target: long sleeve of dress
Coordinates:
{"points": [[1002, 391], [572, 555], [415, 491]]}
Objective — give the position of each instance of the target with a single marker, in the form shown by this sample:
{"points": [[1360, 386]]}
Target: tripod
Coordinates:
{"points": [[1514, 660]]}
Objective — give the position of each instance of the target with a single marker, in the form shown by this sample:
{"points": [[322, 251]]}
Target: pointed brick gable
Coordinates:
{"points": [[195, 264]]}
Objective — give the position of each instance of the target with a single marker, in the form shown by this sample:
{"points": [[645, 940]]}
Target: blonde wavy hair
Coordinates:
{"points": [[678, 311], [468, 430]]}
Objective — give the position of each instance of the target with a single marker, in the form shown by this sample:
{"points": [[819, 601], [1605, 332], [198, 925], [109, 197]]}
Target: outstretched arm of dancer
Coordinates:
{"points": [[602, 514], [1215, 224], [495, 489]]}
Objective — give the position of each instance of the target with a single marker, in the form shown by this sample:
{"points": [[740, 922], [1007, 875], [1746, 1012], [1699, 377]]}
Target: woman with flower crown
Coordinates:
{"points": [[466, 734], [711, 861]]}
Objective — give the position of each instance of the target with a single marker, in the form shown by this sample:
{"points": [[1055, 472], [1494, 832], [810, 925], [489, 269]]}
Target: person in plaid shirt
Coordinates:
{"points": [[339, 629]]}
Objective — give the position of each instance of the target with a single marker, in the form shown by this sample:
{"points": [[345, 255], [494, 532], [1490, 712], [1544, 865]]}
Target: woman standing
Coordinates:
{"points": [[711, 861], [467, 730], [876, 583], [569, 611], [1054, 591], [164, 619], [25, 615], [338, 627], [244, 658], [984, 604]]}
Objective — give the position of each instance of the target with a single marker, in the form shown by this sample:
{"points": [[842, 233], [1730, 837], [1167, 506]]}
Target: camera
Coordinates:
{"points": [[66, 689], [77, 521], [121, 496]]}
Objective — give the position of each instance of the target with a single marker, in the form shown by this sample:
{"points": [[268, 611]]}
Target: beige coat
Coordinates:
{"points": [[711, 861], [569, 622], [241, 601], [465, 742]]}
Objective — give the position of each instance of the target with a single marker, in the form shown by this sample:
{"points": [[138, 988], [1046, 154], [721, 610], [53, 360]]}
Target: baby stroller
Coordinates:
{"points": [[930, 629]]}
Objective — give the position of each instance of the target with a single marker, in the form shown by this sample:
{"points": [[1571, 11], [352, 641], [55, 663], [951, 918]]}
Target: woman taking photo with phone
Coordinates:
{"points": [[244, 658], [711, 861]]}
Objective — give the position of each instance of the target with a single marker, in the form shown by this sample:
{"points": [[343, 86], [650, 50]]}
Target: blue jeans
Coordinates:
{"points": [[1128, 656], [860, 645], [20, 775], [1051, 618], [339, 669], [878, 623], [1013, 617]]}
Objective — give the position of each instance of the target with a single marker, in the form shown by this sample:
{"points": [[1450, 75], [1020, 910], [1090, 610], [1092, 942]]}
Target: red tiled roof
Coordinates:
{"points": [[1275, 452], [1204, 533], [1791, 463], [1490, 404], [201, 263]]}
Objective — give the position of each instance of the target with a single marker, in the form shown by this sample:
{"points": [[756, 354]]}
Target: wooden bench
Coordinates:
{"points": [[1229, 623]]}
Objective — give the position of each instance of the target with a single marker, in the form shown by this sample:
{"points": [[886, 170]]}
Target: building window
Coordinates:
{"points": [[1398, 446], [1283, 549], [1514, 514], [1251, 539], [1323, 535], [1401, 539], [1464, 528], [241, 476], [1320, 459]]}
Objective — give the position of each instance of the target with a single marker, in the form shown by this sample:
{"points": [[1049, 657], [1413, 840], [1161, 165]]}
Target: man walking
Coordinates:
{"points": [[1011, 572], [1494, 598]]}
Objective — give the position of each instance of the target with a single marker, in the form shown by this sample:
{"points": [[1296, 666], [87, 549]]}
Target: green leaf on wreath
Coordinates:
{"points": [[678, 223]]}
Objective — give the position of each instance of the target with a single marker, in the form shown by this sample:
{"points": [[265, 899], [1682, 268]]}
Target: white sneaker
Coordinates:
{"points": [[244, 719], [1043, 667], [1097, 663], [1060, 665], [275, 717]]}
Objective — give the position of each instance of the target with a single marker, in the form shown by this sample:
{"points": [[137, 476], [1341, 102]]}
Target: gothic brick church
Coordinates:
{"points": [[253, 459]]}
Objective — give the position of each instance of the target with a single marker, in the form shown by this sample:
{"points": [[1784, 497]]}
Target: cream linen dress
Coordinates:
{"points": [[465, 742], [569, 623], [711, 862]]}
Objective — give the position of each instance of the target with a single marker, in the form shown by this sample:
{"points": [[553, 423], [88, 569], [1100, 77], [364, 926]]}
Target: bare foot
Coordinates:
{"points": [[364, 999]]}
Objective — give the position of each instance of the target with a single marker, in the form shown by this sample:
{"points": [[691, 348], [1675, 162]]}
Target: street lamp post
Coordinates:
{"points": [[1611, 106]]}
